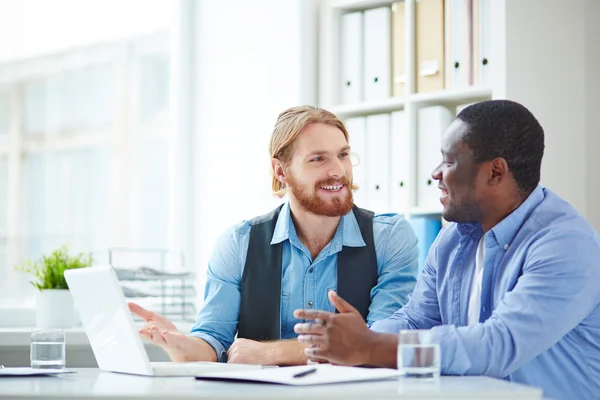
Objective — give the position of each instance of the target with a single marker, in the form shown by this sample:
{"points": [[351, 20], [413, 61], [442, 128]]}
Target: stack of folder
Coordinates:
{"points": [[452, 49]]}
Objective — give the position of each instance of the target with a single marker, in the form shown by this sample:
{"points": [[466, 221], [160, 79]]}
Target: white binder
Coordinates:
{"points": [[399, 161], [351, 68], [484, 40], [358, 146], [431, 125], [378, 162], [377, 53], [459, 43]]}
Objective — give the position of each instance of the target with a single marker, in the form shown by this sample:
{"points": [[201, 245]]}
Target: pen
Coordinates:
{"points": [[304, 373]]}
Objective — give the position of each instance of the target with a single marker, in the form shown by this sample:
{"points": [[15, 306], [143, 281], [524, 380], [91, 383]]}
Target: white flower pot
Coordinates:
{"points": [[54, 308]]}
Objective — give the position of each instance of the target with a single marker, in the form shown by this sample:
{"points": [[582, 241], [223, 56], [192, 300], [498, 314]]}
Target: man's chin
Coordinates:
{"points": [[328, 209]]}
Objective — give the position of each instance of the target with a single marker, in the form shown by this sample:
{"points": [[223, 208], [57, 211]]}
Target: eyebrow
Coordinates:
{"points": [[321, 152]]}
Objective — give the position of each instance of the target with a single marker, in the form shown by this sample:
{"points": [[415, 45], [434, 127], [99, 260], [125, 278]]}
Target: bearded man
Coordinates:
{"points": [[265, 268]]}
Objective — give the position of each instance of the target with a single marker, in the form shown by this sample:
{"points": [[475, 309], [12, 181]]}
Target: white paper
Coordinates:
{"points": [[326, 373], [32, 371]]}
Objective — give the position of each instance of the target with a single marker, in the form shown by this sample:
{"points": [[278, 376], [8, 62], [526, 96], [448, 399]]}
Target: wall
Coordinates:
{"points": [[592, 104], [252, 60], [544, 53]]}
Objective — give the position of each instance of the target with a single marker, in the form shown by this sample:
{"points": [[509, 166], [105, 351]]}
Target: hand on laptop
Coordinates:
{"points": [[160, 331]]}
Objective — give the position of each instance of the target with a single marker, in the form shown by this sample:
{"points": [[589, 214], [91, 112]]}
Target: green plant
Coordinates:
{"points": [[48, 271]]}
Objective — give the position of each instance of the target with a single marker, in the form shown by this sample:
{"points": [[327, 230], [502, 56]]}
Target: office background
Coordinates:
{"points": [[145, 124]]}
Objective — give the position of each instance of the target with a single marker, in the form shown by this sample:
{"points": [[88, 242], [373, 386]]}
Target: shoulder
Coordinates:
{"points": [[556, 236], [392, 228], [240, 231], [388, 219], [555, 216]]}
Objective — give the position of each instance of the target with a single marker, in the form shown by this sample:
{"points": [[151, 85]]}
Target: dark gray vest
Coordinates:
{"points": [[260, 304]]}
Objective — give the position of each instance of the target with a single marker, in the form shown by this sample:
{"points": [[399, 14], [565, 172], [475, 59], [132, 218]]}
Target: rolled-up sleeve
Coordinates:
{"points": [[397, 254], [218, 319]]}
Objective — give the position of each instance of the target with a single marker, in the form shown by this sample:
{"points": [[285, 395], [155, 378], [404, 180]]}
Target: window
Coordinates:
{"points": [[91, 160]]}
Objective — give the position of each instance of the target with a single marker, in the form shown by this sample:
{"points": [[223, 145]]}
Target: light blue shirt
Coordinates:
{"points": [[305, 282], [545, 327]]}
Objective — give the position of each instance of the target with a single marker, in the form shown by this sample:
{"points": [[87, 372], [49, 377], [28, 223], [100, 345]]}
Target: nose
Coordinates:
{"points": [[436, 174], [337, 169]]}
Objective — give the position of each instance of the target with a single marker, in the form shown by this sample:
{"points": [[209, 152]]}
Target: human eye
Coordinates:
{"points": [[344, 155], [317, 159]]}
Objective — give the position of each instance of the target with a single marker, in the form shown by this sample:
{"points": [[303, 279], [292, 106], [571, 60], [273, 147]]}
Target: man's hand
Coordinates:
{"points": [[337, 338], [246, 351], [160, 331], [282, 352]]}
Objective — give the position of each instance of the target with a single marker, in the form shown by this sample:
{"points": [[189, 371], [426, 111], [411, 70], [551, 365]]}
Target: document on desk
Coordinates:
{"points": [[12, 372], [305, 375]]}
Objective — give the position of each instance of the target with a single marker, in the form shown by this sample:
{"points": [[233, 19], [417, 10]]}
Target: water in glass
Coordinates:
{"points": [[47, 350], [418, 354]]}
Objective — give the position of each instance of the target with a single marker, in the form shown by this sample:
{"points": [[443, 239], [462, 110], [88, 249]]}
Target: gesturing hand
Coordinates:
{"points": [[337, 338], [160, 331]]}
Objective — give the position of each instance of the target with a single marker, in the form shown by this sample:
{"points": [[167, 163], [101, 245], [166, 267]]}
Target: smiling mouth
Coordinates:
{"points": [[444, 191], [333, 188]]}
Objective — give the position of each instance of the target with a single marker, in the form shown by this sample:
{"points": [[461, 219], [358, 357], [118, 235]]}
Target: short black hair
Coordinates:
{"points": [[504, 128]]}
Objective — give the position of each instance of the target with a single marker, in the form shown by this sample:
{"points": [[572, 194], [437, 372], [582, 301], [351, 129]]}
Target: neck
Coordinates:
{"points": [[314, 231], [501, 209]]}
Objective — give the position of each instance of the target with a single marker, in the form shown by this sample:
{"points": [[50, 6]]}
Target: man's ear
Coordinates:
{"points": [[498, 171], [278, 170]]}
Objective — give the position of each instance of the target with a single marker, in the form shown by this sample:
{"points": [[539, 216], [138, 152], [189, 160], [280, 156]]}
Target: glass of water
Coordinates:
{"points": [[418, 354], [47, 349]]}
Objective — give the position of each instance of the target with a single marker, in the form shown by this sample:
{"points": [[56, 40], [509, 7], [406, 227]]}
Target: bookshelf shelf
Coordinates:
{"points": [[368, 108], [423, 211], [358, 5], [447, 98], [451, 98]]}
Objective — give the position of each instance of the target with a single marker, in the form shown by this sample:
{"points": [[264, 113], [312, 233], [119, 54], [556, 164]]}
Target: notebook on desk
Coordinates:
{"points": [[305, 375], [112, 333]]}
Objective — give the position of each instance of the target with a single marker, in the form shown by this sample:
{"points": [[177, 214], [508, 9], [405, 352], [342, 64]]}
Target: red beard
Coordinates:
{"points": [[311, 202]]}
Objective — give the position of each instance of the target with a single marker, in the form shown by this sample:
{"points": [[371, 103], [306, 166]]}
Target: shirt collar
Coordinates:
{"points": [[505, 231], [347, 233]]}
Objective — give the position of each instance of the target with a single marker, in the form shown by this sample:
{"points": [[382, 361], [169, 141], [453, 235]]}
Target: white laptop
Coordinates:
{"points": [[112, 332]]}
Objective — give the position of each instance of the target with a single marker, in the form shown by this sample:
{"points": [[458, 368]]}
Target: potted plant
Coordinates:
{"points": [[54, 304]]}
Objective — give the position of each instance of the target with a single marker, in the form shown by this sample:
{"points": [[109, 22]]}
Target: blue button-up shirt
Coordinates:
{"points": [[545, 326], [305, 282]]}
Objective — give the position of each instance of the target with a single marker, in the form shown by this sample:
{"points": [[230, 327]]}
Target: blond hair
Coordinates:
{"points": [[287, 128]]}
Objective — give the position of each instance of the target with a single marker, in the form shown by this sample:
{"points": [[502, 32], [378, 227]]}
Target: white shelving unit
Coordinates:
{"points": [[329, 89], [543, 54]]}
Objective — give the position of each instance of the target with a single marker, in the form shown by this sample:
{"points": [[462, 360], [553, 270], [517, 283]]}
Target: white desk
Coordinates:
{"points": [[91, 383]]}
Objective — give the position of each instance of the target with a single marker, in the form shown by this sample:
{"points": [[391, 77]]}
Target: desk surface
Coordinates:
{"points": [[92, 383]]}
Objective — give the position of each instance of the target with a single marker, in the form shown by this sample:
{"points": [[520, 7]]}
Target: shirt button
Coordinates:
{"points": [[505, 247], [483, 308], [310, 270], [309, 304]]}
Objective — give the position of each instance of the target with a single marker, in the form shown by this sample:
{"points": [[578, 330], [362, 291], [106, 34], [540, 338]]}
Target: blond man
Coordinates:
{"points": [[263, 269]]}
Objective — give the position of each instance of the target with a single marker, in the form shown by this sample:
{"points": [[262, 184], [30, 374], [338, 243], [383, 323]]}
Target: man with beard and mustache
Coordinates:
{"points": [[510, 288], [264, 268]]}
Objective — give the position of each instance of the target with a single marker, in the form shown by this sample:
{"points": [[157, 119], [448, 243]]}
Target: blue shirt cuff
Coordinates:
{"points": [[387, 325], [454, 357]]}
